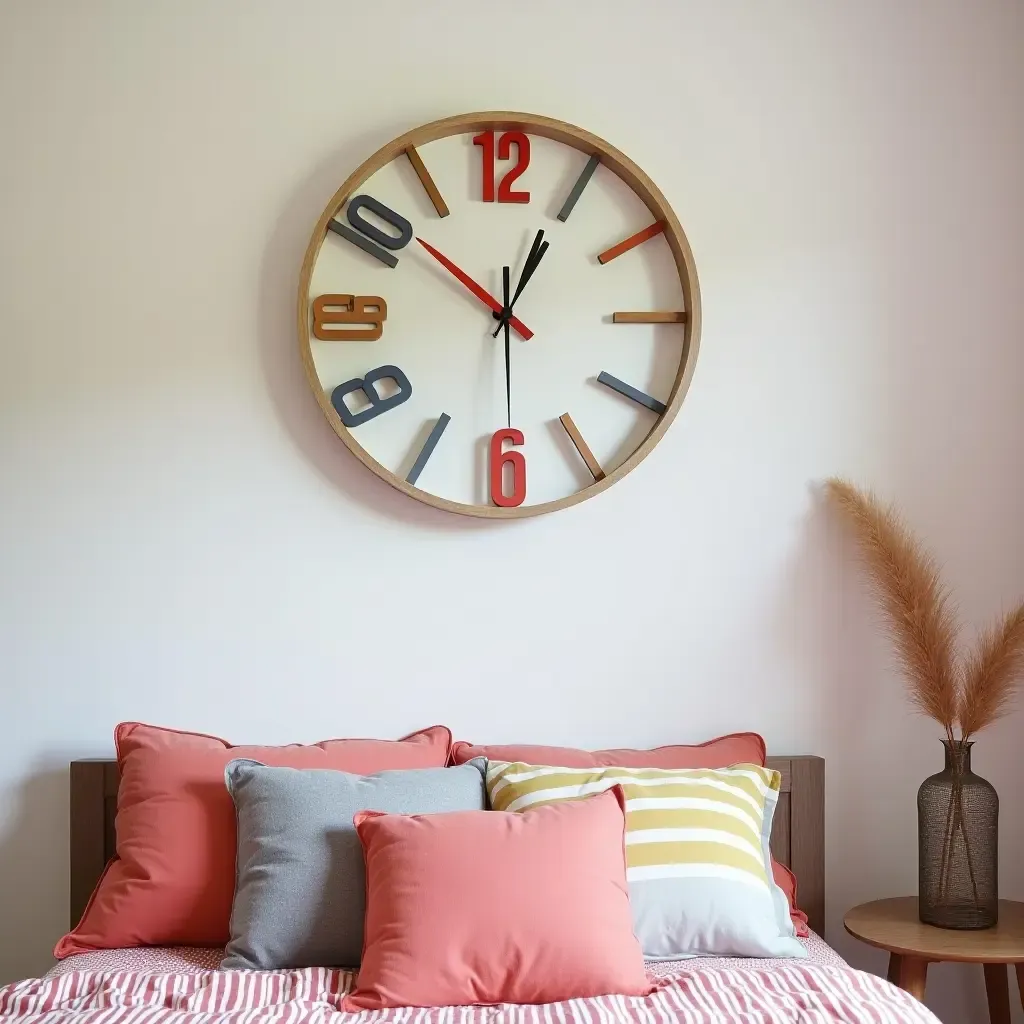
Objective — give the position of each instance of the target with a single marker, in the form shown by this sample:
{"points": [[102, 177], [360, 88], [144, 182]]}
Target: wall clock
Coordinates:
{"points": [[499, 314]]}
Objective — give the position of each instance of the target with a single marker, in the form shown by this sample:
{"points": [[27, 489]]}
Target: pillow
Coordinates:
{"points": [[482, 907], [697, 859], [172, 880], [786, 881], [736, 748], [300, 895]]}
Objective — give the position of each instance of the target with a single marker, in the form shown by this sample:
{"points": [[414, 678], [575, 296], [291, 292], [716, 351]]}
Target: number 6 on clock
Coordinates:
{"points": [[500, 459]]}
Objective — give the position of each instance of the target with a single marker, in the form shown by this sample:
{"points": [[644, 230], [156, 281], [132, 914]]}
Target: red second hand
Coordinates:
{"points": [[485, 297]]}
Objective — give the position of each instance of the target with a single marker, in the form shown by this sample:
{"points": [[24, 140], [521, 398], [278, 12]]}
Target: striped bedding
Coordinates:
{"points": [[789, 992]]}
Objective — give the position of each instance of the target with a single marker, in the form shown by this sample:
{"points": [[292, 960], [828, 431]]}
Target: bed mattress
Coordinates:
{"points": [[192, 960]]}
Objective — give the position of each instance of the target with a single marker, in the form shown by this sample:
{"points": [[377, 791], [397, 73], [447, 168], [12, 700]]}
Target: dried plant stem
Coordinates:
{"points": [[954, 824], [947, 846]]}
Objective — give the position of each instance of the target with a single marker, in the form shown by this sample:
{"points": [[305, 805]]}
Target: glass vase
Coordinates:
{"points": [[957, 826]]}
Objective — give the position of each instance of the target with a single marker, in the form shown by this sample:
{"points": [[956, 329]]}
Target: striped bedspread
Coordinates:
{"points": [[795, 993]]}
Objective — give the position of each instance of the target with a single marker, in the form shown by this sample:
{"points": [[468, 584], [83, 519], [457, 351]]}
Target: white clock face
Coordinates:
{"points": [[432, 425]]}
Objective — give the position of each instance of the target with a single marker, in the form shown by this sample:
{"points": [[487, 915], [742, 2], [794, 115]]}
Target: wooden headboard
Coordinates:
{"points": [[798, 832]]}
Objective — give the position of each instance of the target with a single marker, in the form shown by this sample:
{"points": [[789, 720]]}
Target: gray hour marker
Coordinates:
{"points": [[631, 392], [577, 189], [428, 448], [364, 243]]}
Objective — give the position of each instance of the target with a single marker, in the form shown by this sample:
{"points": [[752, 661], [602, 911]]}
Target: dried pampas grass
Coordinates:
{"points": [[971, 692], [991, 673]]}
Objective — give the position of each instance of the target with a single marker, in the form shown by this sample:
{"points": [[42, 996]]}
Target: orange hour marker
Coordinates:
{"points": [[427, 181], [366, 312], [581, 446], [653, 317], [634, 240]]}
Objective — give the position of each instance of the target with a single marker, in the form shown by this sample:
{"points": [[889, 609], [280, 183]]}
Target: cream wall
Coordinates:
{"points": [[185, 541]]}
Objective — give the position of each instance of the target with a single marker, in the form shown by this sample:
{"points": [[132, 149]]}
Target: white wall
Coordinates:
{"points": [[185, 541]]}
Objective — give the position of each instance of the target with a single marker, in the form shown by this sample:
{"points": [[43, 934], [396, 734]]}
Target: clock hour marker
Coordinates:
{"points": [[362, 231], [628, 391], [364, 243], [577, 189], [376, 404], [428, 448], [367, 312], [653, 317], [581, 446], [516, 461], [485, 140], [427, 181], [634, 240]]}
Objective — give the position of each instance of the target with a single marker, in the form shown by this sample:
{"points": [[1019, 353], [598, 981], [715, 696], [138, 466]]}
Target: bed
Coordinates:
{"points": [[183, 985]]}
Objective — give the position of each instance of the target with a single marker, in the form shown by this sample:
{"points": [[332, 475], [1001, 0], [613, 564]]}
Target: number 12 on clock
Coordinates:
{"points": [[507, 139]]}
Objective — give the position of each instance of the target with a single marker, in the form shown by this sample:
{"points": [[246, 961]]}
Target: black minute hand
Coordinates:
{"points": [[536, 254], [508, 384]]}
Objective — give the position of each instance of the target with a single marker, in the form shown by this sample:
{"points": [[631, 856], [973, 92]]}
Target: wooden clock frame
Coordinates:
{"points": [[588, 144]]}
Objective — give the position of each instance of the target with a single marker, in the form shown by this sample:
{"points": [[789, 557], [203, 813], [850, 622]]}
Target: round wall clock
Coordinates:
{"points": [[499, 314]]}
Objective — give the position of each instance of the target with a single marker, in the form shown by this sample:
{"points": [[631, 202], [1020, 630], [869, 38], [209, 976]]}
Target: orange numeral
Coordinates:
{"points": [[368, 310]]}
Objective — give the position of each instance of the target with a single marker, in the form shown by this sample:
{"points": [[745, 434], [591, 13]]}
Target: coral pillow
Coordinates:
{"points": [[736, 748], [723, 752], [786, 881], [173, 879], [482, 907]]}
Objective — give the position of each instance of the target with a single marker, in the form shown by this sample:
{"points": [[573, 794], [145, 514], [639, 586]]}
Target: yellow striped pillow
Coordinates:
{"points": [[697, 857]]}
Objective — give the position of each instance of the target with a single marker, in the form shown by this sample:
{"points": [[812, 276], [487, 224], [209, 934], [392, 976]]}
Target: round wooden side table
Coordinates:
{"points": [[894, 925]]}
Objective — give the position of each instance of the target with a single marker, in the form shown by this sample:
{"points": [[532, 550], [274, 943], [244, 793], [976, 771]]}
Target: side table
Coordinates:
{"points": [[893, 925]]}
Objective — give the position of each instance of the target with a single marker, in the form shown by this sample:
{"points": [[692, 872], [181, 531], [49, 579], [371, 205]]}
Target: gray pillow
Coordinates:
{"points": [[300, 882]]}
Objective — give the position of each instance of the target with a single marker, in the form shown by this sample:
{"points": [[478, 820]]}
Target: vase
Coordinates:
{"points": [[958, 826]]}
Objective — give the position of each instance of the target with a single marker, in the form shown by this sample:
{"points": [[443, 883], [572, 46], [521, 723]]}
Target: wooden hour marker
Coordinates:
{"points": [[653, 317], [577, 189], [428, 448], [628, 391], [427, 181], [581, 446], [634, 240]]}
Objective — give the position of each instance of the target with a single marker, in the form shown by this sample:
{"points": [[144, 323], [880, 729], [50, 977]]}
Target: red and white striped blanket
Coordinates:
{"points": [[795, 993]]}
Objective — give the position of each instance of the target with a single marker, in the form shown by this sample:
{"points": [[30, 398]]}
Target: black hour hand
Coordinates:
{"points": [[533, 259]]}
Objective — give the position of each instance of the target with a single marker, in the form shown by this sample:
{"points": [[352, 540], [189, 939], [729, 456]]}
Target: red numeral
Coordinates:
{"points": [[486, 142], [499, 460], [522, 143]]}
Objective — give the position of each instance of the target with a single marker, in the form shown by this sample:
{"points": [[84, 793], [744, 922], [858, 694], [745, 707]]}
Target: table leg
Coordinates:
{"points": [[1020, 981], [894, 968], [998, 992], [913, 975]]}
